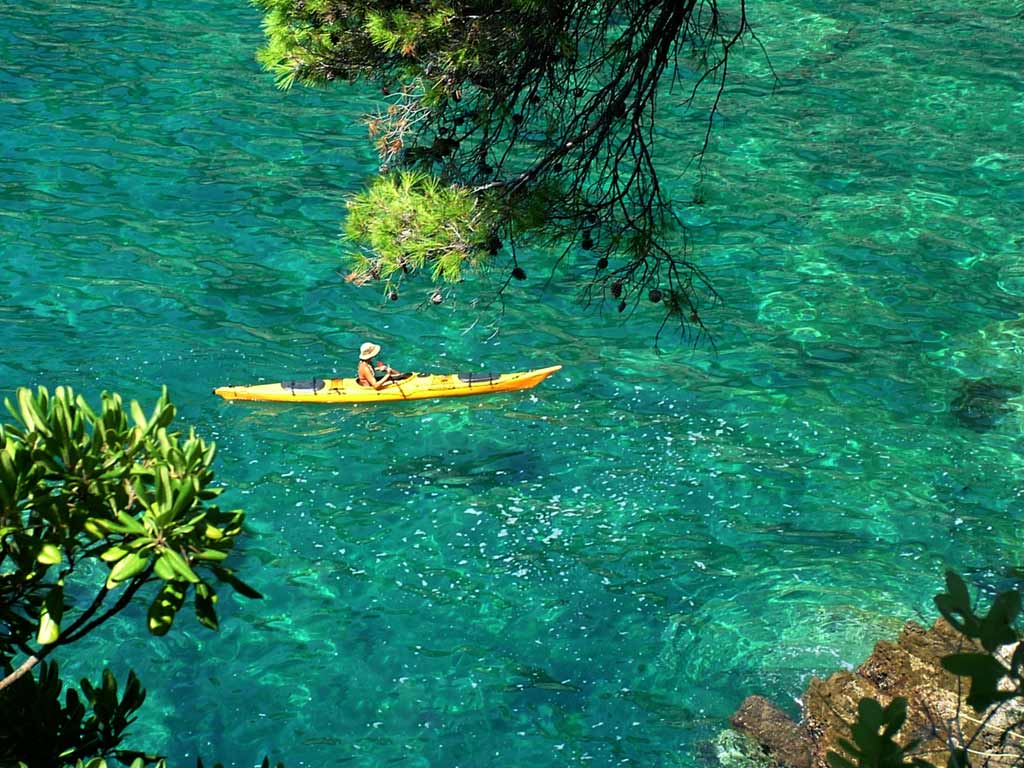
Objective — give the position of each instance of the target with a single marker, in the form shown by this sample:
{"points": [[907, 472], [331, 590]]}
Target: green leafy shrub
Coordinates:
{"points": [[112, 506]]}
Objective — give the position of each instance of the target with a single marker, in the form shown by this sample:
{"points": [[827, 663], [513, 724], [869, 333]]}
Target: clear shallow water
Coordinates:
{"points": [[598, 571]]}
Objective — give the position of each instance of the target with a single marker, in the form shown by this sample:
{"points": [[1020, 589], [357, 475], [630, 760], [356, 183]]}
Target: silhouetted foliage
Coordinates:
{"points": [[996, 680]]}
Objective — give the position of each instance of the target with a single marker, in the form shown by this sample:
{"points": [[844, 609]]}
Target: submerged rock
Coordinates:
{"points": [[910, 667], [981, 403], [733, 749], [774, 730]]}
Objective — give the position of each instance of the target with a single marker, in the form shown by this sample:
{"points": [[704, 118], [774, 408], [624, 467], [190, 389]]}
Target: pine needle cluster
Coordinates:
{"points": [[407, 221]]}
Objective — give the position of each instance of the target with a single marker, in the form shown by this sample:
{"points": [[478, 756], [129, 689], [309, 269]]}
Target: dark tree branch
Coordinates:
{"points": [[549, 108]]}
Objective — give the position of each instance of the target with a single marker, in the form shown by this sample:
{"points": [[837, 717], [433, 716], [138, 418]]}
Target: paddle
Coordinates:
{"points": [[396, 382]]}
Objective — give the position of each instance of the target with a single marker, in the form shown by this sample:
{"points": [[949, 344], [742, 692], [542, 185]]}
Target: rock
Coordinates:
{"points": [[929, 646], [981, 403], [733, 749], [774, 730], [911, 668], [890, 667], [828, 706]]}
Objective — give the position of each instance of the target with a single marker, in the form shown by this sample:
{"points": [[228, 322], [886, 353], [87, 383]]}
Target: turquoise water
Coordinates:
{"points": [[595, 572]]}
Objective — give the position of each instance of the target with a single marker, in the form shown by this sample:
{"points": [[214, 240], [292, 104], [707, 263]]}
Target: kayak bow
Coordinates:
{"points": [[417, 386]]}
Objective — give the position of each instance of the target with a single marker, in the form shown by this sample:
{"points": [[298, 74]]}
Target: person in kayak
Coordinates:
{"points": [[376, 375]]}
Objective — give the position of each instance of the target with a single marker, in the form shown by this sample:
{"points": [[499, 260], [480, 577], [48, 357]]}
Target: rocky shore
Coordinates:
{"points": [[910, 667]]}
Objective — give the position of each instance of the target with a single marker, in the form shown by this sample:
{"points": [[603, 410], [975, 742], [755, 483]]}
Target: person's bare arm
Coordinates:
{"points": [[367, 377]]}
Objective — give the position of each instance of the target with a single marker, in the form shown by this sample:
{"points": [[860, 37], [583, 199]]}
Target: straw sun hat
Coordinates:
{"points": [[369, 350]]}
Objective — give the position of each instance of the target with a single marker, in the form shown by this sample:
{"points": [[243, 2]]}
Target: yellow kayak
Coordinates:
{"points": [[415, 386]]}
